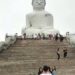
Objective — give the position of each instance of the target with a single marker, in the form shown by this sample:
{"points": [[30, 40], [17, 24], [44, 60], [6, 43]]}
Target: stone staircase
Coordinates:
{"points": [[26, 56]]}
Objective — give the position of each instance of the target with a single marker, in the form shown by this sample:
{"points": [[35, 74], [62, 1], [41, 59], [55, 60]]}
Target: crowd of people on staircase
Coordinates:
{"points": [[46, 70], [56, 37], [59, 37]]}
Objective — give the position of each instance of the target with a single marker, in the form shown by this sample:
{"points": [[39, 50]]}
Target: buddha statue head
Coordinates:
{"points": [[38, 4]]}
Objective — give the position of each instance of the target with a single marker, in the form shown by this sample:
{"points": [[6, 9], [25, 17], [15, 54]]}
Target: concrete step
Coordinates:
{"points": [[21, 67], [37, 63], [26, 56], [39, 42], [21, 55], [40, 49]]}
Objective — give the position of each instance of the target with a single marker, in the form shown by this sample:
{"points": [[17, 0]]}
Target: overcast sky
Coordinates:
{"points": [[13, 12]]}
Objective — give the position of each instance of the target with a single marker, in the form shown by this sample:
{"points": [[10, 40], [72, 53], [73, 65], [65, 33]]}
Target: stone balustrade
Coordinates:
{"points": [[9, 40], [71, 39], [3, 46]]}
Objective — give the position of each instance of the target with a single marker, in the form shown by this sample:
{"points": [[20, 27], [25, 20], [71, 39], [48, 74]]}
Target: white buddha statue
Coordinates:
{"points": [[40, 21]]}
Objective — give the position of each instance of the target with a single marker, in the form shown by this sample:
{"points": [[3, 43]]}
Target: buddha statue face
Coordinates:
{"points": [[38, 4]]}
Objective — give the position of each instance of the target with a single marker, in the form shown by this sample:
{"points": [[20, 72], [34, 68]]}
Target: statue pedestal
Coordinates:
{"points": [[46, 31]]}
